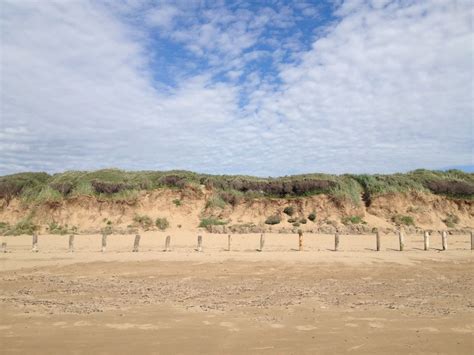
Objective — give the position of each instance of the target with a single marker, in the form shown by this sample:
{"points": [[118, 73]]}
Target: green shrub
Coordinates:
{"points": [[303, 220], [292, 220], [215, 202], [162, 223], [290, 210], [177, 202], [23, 226], [55, 228], [144, 222], [296, 224], [312, 217], [211, 221], [353, 220], [451, 220], [400, 220], [4, 227], [275, 219]]}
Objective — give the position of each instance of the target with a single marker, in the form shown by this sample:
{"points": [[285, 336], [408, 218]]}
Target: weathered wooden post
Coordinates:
{"points": [[229, 242], [377, 240], [472, 240], [300, 240], [4, 247], [104, 242], [71, 243], [199, 246], [167, 243], [426, 240], [336, 242], [136, 243], [35, 243], [444, 240], [401, 239], [262, 241]]}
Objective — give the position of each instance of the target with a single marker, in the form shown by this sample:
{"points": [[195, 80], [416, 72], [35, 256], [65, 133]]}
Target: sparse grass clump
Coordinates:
{"points": [[352, 220], [162, 223], [303, 221], [211, 221], [177, 202], [401, 220], [23, 226], [215, 201], [144, 221], [451, 220], [275, 219], [290, 210], [55, 228], [312, 217]]}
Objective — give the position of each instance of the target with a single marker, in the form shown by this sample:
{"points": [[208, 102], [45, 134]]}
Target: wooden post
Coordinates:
{"points": [[426, 240], [300, 240], [401, 239], [336, 242], [229, 242], [377, 241], [472, 240], [35, 243], [199, 247], [4, 247], [262, 241], [71, 243], [444, 240], [104, 242], [136, 243], [167, 243]]}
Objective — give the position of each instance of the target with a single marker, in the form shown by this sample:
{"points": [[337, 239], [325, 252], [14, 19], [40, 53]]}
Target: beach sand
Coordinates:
{"points": [[278, 301]]}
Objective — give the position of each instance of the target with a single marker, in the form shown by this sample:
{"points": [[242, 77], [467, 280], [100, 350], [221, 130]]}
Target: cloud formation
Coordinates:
{"points": [[356, 86]]}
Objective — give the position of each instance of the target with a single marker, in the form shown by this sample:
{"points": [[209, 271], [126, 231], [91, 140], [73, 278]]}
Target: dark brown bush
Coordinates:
{"points": [[62, 187], [230, 198], [109, 187], [173, 181], [451, 187]]}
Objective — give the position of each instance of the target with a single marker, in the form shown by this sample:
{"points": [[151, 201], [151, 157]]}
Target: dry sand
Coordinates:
{"points": [[279, 301]]}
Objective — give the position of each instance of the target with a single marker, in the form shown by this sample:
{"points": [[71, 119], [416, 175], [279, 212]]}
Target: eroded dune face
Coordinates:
{"points": [[185, 208]]}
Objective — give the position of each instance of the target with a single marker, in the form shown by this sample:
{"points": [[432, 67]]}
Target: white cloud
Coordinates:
{"points": [[387, 87]]}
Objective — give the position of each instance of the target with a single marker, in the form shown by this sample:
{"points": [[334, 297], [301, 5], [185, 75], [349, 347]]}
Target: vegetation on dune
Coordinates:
{"points": [[56, 228], [23, 226], [125, 186], [273, 220], [400, 220], [353, 220], [211, 221], [290, 210], [162, 223], [451, 220], [312, 217], [144, 222]]}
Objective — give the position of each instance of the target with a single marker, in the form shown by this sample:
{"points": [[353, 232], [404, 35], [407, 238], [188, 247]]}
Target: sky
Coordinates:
{"points": [[266, 88]]}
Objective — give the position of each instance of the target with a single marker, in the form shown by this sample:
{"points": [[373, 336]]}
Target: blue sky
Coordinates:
{"points": [[236, 87]]}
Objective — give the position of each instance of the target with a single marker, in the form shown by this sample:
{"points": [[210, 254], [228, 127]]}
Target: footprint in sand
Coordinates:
{"points": [[351, 325], [230, 326], [305, 327], [59, 324], [376, 325], [277, 326]]}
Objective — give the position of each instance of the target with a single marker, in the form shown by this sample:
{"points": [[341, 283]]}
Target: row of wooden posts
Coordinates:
{"points": [[136, 242]]}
